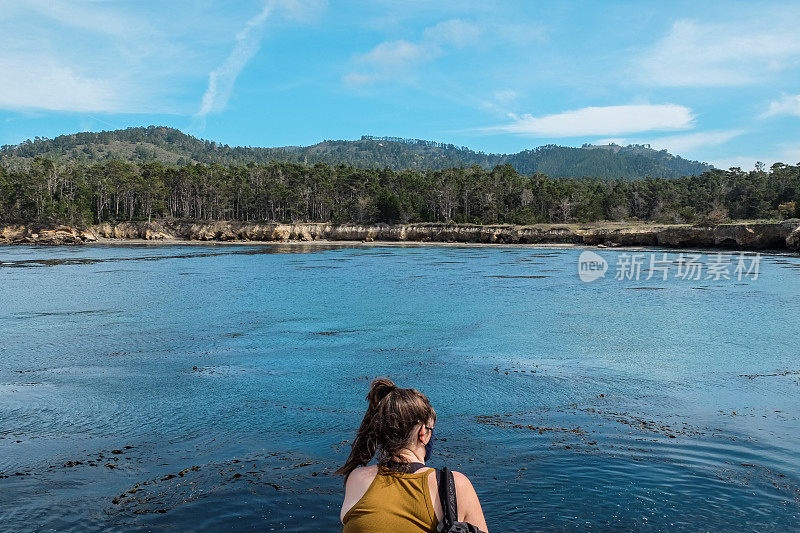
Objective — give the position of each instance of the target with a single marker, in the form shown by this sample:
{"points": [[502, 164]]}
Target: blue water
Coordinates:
{"points": [[216, 387]]}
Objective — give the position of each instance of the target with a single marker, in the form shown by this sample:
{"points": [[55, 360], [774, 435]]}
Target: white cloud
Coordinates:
{"points": [[222, 78], [687, 143], [302, 10], [743, 162], [684, 143], [787, 105], [610, 120], [46, 84], [505, 96], [456, 32], [707, 55], [112, 57], [788, 153], [519, 33], [613, 140], [74, 56], [397, 54], [103, 57], [396, 59], [86, 17]]}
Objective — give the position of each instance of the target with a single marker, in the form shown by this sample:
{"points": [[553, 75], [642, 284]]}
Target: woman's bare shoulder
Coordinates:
{"points": [[364, 470], [356, 486], [462, 482], [469, 504], [361, 475]]}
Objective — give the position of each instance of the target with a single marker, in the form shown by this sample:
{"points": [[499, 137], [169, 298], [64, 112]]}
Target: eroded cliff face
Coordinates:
{"points": [[743, 236], [793, 240], [36, 234]]}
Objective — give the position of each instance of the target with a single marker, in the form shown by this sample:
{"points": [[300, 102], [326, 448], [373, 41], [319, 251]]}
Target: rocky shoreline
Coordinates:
{"points": [[739, 236]]}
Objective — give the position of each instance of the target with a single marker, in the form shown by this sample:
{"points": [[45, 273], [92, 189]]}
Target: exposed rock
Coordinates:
{"points": [[625, 236], [756, 236], [132, 230], [793, 240], [12, 234], [37, 234]]}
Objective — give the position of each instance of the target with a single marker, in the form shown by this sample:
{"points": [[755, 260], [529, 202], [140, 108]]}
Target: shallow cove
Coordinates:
{"points": [[215, 387]]}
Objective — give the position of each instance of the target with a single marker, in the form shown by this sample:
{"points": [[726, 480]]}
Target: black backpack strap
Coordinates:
{"points": [[447, 497]]}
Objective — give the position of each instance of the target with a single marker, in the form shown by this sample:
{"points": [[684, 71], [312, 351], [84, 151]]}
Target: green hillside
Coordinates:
{"points": [[173, 147]]}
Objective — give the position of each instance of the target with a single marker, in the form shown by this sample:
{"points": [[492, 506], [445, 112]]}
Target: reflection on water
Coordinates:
{"points": [[216, 387]]}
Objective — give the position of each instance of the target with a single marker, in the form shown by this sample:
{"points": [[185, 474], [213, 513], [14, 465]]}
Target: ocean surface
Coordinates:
{"points": [[217, 387]]}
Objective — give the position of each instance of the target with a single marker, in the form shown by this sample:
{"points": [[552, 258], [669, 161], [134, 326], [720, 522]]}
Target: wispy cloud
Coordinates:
{"points": [[787, 105], [303, 11], [47, 84], [610, 120], [504, 96], [222, 78], [61, 56], [715, 54], [105, 57], [455, 32], [689, 142], [110, 57], [397, 59], [398, 54], [789, 155], [684, 143]]}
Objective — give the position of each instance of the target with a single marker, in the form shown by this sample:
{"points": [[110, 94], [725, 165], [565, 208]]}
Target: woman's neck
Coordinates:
{"points": [[411, 456]]}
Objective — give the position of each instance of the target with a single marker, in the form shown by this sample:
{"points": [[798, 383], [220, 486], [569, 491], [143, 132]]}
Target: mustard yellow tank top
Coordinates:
{"points": [[393, 502]]}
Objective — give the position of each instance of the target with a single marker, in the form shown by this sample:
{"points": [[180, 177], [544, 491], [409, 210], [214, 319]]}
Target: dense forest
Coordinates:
{"points": [[80, 193], [175, 148]]}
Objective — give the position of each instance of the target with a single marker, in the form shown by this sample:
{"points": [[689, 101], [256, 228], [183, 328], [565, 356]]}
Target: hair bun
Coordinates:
{"points": [[388, 424], [378, 390]]}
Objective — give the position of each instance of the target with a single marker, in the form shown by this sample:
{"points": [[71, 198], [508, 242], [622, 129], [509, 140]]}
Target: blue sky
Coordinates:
{"points": [[714, 81]]}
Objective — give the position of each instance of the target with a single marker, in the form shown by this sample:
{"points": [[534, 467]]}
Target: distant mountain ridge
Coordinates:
{"points": [[174, 147]]}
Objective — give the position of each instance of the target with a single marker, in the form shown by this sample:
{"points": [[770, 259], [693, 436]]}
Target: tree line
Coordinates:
{"points": [[81, 193]]}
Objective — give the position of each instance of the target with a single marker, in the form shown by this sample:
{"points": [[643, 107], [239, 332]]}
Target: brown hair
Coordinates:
{"points": [[387, 427]]}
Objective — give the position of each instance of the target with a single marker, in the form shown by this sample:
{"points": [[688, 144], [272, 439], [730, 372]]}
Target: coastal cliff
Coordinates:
{"points": [[743, 236], [40, 234]]}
